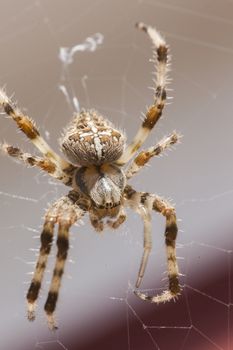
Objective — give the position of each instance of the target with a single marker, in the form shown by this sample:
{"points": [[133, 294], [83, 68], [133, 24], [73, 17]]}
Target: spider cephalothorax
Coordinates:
{"points": [[95, 172], [104, 184]]}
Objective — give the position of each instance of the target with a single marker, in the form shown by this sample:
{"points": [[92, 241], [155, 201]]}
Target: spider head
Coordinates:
{"points": [[104, 184], [92, 140]]}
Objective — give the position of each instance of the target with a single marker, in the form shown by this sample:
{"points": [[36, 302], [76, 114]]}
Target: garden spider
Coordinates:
{"points": [[96, 152]]}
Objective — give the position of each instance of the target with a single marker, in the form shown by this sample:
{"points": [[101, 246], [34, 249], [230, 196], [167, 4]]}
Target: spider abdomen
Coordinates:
{"points": [[92, 139]]}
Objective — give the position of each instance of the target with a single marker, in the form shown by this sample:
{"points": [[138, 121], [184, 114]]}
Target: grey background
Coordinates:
{"points": [[96, 295]]}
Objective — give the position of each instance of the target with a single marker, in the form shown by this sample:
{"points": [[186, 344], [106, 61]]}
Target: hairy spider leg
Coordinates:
{"points": [[62, 252], [28, 127], [68, 215], [142, 201], [154, 112], [46, 239], [144, 156], [44, 164], [65, 212]]}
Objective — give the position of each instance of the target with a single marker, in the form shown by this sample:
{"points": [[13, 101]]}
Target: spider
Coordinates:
{"points": [[95, 173]]}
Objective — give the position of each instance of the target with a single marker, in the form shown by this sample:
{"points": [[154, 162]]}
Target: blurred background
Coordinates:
{"points": [[110, 71]]}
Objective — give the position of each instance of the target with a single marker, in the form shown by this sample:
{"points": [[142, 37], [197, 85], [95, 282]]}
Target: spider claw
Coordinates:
{"points": [[31, 314], [51, 322], [141, 26]]}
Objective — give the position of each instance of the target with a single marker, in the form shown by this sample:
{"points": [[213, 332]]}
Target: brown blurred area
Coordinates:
{"points": [[206, 330]]}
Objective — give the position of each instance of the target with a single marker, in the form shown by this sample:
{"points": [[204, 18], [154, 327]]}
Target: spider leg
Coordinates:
{"points": [[46, 242], [146, 202], [65, 212], [28, 127], [62, 251], [147, 244], [154, 112], [45, 164], [139, 203], [66, 218], [144, 156]]}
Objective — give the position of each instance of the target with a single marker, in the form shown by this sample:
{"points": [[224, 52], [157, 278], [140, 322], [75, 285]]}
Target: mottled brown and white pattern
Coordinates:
{"points": [[92, 139], [144, 156], [154, 112], [94, 170]]}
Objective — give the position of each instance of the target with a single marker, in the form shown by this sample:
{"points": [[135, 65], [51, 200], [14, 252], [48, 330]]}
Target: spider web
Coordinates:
{"points": [[58, 57]]}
